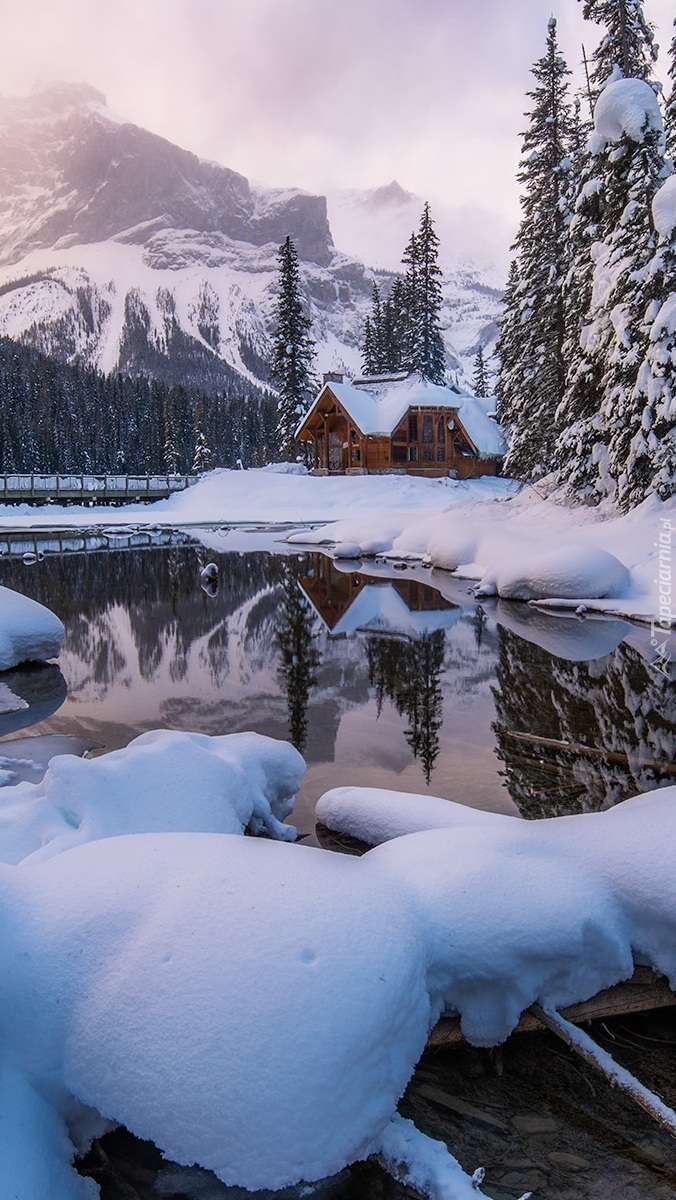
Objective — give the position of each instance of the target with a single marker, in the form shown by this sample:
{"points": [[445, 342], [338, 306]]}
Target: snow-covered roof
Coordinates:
{"points": [[377, 404], [475, 413]]}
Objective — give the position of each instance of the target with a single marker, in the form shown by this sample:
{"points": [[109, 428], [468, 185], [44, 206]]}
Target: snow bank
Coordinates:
{"points": [[29, 632], [188, 982], [625, 107], [514, 910], [568, 572], [192, 987], [162, 781]]}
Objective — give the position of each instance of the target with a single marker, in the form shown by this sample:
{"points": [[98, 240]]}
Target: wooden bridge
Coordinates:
{"points": [[89, 489]]}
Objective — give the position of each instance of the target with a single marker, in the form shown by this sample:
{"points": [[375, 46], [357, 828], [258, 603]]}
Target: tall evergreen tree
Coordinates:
{"points": [[480, 382], [531, 385], [202, 456], [577, 419], [293, 350], [628, 43], [670, 115], [428, 343], [651, 455], [172, 452]]}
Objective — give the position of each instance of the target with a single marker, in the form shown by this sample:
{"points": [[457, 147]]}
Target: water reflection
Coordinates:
{"points": [[607, 727], [380, 679], [40, 689]]}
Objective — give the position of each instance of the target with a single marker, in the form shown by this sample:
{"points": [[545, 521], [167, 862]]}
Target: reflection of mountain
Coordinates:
{"points": [[616, 707]]}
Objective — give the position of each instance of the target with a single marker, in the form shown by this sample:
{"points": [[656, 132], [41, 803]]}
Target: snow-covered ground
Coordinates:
{"points": [[511, 541], [162, 971], [189, 985]]}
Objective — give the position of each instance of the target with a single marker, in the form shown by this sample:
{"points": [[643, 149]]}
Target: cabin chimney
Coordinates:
{"points": [[332, 377]]}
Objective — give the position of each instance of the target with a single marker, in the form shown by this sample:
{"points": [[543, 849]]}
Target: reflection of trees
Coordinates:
{"points": [[408, 674], [618, 706], [298, 656]]}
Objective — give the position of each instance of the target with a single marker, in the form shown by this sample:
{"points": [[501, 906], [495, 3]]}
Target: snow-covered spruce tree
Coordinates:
{"points": [[368, 348], [202, 457], [429, 355], [629, 137], [508, 345], [291, 369], [628, 43], [651, 459], [611, 242], [480, 381], [532, 371], [576, 417], [171, 448], [670, 114]]}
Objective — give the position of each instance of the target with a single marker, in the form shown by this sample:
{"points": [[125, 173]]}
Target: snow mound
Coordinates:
{"points": [[625, 106], [162, 781], [376, 815], [516, 910], [192, 989], [29, 632], [566, 572], [452, 546]]}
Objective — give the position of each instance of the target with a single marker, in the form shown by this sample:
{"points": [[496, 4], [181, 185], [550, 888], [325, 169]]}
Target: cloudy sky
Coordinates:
{"points": [[317, 94]]}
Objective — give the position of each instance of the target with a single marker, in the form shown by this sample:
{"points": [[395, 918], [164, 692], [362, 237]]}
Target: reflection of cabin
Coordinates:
{"points": [[349, 602], [401, 423]]}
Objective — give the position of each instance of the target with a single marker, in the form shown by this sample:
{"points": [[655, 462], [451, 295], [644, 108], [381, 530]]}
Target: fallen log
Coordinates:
{"points": [[619, 1077], [616, 756], [643, 992]]}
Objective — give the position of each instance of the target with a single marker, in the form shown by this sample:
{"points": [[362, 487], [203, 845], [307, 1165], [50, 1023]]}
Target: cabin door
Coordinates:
{"points": [[336, 452]]}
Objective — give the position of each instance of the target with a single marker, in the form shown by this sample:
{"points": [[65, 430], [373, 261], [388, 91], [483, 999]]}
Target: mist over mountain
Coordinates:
{"points": [[121, 251]]}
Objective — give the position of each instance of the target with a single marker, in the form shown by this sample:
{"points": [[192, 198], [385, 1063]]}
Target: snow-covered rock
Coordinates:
{"points": [[164, 780], [29, 632], [569, 572]]}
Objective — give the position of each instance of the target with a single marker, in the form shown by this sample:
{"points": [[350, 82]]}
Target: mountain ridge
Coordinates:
{"points": [[124, 252]]}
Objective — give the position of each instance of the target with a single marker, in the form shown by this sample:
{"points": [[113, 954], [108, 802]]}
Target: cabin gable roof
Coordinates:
{"points": [[377, 404]]}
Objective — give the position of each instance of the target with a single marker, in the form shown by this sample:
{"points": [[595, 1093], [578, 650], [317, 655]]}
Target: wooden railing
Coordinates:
{"points": [[59, 488]]}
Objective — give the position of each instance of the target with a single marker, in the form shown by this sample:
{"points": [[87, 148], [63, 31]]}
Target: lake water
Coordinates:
{"points": [[380, 679], [386, 676]]}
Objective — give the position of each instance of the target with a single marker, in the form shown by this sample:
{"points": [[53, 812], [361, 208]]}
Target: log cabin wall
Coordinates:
{"points": [[427, 441]]}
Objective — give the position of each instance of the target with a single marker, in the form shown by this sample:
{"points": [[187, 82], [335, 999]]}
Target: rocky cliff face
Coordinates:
{"points": [[123, 251]]}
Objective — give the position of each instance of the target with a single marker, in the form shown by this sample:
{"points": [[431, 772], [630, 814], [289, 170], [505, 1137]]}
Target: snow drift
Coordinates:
{"points": [[29, 632]]}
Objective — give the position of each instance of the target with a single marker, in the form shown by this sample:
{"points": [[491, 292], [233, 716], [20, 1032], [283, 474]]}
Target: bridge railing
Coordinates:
{"points": [[71, 486]]}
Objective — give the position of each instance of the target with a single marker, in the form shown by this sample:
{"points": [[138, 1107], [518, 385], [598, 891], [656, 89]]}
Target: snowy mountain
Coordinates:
{"points": [[122, 251]]}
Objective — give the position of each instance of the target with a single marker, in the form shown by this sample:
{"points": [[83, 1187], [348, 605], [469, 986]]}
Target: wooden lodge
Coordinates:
{"points": [[403, 424]]}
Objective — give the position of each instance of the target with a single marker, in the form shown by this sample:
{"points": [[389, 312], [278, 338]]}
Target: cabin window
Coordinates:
{"points": [[441, 452], [399, 454], [428, 428], [428, 454], [413, 454], [413, 427], [463, 446], [399, 434]]}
